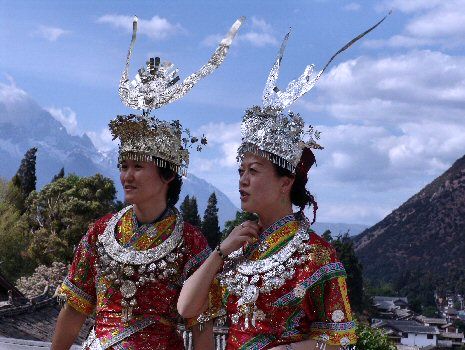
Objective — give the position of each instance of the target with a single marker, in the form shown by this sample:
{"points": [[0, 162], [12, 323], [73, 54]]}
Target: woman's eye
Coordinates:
{"points": [[252, 170], [240, 171]]}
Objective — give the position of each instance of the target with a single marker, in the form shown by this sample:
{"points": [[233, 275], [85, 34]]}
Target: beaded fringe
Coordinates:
{"points": [[280, 161], [140, 157]]}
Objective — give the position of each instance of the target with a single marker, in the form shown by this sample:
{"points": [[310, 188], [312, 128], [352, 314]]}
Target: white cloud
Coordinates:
{"points": [[260, 34], [432, 22], [364, 213], [157, 28], [67, 117], [353, 6], [49, 33], [401, 120], [226, 138], [102, 140], [10, 94], [420, 85]]}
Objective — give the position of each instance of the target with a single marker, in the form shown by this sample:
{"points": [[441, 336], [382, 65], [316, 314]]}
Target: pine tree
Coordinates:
{"points": [[60, 175], [210, 227], [190, 211], [194, 219], [185, 207], [327, 236], [25, 178]]}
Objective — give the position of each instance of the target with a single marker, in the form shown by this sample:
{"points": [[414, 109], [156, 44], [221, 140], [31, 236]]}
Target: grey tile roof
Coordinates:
{"points": [[34, 322], [21, 344]]}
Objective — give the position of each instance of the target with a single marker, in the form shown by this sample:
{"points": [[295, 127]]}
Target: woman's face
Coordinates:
{"points": [[142, 182], [262, 191]]}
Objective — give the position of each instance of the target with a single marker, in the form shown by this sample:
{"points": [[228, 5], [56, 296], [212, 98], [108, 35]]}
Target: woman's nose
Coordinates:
{"points": [[128, 174], [243, 179]]}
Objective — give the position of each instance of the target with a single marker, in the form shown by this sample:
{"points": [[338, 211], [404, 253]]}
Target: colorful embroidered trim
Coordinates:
{"points": [[278, 224], [146, 236], [292, 324], [333, 326], [277, 240], [195, 261], [324, 273], [259, 342], [335, 338], [77, 298]]}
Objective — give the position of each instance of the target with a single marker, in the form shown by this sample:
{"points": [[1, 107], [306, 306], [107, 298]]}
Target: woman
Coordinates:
{"points": [[129, 268], [300, 302], [282, 285], [134, 295]]}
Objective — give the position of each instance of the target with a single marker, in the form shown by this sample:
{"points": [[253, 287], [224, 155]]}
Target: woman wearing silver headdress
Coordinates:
{"points": [[129, 267], [281, 284]]}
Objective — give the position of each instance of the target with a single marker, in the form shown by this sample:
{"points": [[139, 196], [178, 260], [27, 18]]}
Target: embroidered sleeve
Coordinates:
{"points": [[78, 288], [327, 303], [197, 252]]}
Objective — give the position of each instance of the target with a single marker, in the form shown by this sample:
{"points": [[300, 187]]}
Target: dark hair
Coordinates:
{"points": [[300, 196], [174, 186]]}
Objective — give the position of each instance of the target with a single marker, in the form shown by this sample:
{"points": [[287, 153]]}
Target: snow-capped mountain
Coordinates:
{"points": [[24, 124]]}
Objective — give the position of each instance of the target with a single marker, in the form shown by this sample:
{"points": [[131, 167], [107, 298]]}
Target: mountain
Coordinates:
{"points": [[201, 189], [424, 236], [24, 124], [338, 228]]}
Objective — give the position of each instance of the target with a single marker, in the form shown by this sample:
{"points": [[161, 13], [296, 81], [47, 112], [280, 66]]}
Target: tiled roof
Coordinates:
{"points": [[33, 322], [405, 326], [21, 344]]}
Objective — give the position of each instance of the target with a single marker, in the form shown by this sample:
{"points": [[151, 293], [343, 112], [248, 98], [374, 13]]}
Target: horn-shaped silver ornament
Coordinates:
{"points": [[158, 84], [276, 100]]}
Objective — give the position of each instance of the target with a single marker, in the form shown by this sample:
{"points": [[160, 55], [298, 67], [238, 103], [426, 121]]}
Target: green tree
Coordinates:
{"points": [[61, 212], [345, 251], [241, 216], [25, 178], [60, 175], [14, 240], [327, 236], [372, 339], [190, 211], [210, 227]]}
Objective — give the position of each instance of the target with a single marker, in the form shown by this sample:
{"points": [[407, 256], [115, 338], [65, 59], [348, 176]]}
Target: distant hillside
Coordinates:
{"points": [[338, 228], [425, 235]]}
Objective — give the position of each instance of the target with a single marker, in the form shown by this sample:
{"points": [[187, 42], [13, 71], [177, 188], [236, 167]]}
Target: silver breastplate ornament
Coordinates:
{"points": [[248, 279], [129, 269]]}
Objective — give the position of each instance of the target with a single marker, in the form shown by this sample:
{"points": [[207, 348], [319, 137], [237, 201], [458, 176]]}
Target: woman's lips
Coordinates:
{"points": [[244, 195]]}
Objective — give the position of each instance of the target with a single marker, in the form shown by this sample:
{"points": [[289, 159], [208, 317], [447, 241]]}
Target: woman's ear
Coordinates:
{"points": [[287, 182], [167, 181]]}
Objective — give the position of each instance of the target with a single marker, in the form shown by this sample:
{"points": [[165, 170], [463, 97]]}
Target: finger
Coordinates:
{"points": [[249, 231], [253, 224]]}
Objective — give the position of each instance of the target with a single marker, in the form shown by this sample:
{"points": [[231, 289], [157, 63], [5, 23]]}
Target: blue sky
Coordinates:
{"points": [[390, 109]]}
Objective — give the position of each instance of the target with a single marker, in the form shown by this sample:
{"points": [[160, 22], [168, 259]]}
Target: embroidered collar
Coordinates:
{"points": [[128, 255]]}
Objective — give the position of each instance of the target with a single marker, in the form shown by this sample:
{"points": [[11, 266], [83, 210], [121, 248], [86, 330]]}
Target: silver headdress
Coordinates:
{"points": [[145, 138], [268, 132]]}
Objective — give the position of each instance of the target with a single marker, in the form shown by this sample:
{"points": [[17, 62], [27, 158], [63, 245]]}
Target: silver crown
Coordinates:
{"points": [[267, 131], [145, 138], [158, 84]]}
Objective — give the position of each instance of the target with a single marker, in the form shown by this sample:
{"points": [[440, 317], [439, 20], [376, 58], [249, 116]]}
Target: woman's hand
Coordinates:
{"points": [[247, 232]]}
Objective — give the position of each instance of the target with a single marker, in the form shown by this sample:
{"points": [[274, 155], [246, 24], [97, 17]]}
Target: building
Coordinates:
{"points": [[392, 307], [408, 332]]}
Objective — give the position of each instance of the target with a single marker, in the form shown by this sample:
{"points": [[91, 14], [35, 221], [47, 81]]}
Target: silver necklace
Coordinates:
{"points": [[130, 269], [247, 279]]}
